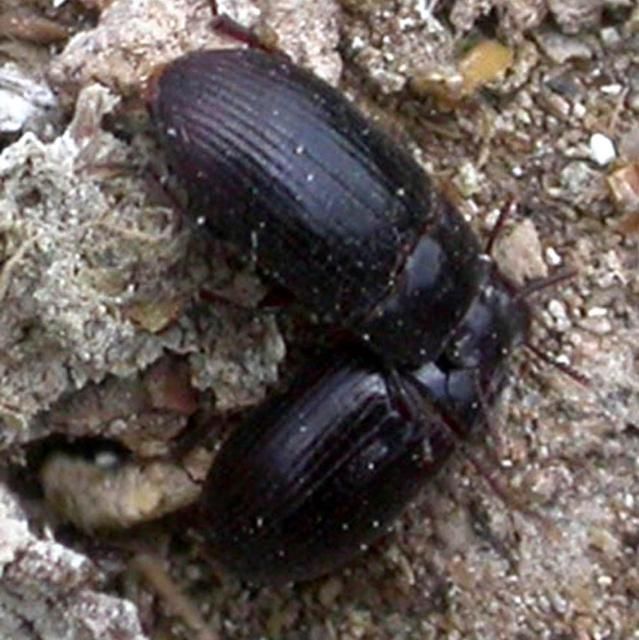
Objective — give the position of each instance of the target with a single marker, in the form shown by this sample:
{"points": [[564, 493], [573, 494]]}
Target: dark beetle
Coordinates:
{"points": [[319, 473], [283, 166]]}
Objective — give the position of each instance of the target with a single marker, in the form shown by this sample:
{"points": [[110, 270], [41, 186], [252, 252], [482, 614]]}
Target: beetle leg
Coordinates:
{"points": [[414, 405]]}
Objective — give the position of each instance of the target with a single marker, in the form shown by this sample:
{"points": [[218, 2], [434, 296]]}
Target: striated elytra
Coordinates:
{"points": [[284, 167], [316, 475], [281, 165]]}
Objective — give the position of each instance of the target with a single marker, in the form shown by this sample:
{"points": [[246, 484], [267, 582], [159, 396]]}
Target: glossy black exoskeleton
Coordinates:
{"points": [[318, 474], [284, 167]]}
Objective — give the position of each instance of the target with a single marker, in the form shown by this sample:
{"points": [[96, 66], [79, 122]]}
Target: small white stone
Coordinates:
{"points": [[468, 179], [602, 149], [613, 89], [579, 110], [597, 312], [357, 43], [557, 309], [107, 459], [604, 581], [552, 257], [610, 36]]}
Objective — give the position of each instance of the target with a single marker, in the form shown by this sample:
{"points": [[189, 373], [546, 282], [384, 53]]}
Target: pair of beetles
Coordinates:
{"points": [[284, 167]]}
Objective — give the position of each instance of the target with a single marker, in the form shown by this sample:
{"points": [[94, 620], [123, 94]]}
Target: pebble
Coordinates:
{"points": [[602, 149], [560, 48]]}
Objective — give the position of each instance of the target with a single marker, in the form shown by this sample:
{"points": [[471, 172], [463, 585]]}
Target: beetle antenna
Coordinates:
{"points": [[504, 215], [535, 286], [565, 368], [539, 284]]}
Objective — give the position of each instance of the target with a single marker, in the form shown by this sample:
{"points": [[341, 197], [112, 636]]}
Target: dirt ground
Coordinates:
{"points": [[121, 319]]}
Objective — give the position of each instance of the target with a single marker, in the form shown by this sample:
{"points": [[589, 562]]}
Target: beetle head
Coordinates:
{"points": [[497, 322]]}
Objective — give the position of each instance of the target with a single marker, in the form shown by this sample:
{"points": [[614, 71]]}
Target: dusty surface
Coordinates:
{"points": [[50, 591], [101, 286]]}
